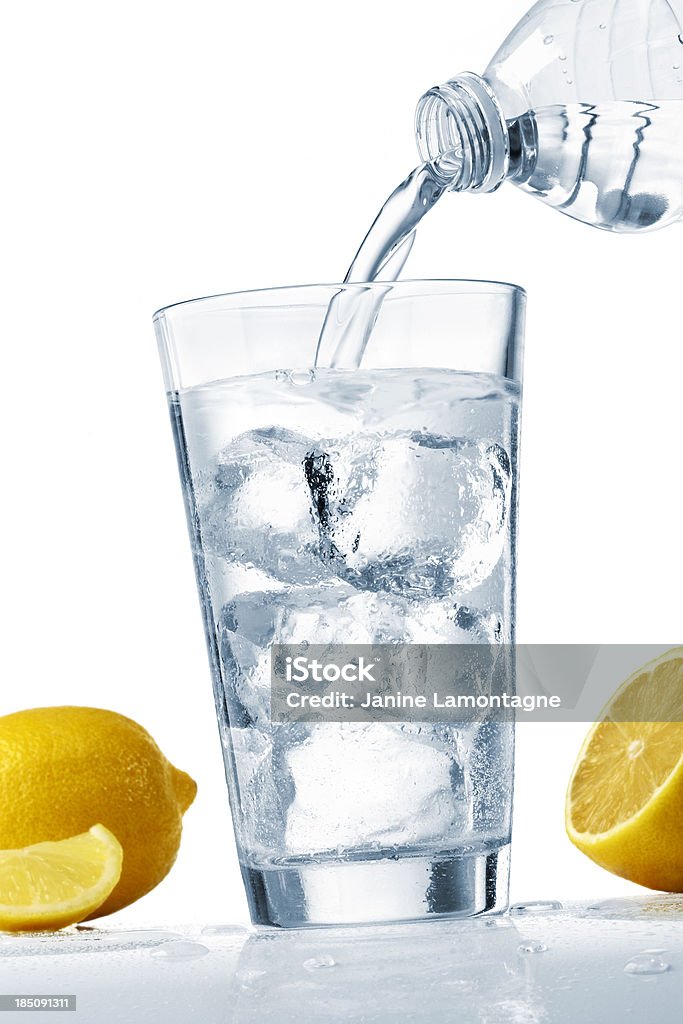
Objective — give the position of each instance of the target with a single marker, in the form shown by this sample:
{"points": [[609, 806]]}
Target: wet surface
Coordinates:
{"points": [[601, 961]]}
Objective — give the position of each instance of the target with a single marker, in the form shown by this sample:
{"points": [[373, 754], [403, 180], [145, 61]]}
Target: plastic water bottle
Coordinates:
{"points": [[582, 107]]}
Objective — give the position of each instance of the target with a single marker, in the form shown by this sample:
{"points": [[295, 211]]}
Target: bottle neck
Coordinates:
{"points": [[461, 131]]}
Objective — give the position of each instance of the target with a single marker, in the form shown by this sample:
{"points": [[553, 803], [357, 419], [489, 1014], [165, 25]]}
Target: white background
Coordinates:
{"points": [[158, 151]]}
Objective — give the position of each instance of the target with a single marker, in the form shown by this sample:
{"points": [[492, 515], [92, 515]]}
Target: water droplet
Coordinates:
{"points": [[677, 67], [680, 38], [249, 978], [576, 1], [532, 946], [646, 964], [459, 985], [613, 906], [603, 26], [563, 56], [95, 940], [316, 962], [281, 376], [222, 929], [570, 81], [548, 40], [301, 378], [535, 907], [135, 937], [656, 952], [180, 951]]}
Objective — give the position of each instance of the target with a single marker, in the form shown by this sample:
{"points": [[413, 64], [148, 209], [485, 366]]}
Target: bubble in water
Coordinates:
{"points": [[316, 962], [180, 951], [532, 946], [281, 376], [676, 67], [302, 378], [548, 40], [535, 907], [646, 964], [570, 81], [603, 26]]}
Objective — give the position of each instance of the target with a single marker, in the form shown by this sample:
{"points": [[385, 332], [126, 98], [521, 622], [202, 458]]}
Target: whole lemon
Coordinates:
{"points": [[64, 769]]}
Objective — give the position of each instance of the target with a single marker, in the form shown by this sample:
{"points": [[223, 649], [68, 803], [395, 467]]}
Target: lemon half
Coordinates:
{"points": [[625, 799]]}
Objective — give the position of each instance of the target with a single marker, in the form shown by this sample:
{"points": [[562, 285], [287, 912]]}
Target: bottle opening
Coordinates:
{"points": [[461, 133], [438, 136]]}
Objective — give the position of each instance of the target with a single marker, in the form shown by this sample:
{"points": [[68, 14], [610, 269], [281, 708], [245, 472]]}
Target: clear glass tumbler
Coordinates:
{"points": [[354, 506]]}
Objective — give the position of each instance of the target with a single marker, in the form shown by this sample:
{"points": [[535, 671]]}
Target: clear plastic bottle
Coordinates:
{"points": [[582, 107]]}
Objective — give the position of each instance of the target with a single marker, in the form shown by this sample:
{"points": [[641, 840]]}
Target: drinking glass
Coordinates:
{"points": [[353, 506]]}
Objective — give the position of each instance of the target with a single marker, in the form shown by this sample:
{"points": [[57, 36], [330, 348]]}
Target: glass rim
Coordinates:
{"points": [[459, 286]]}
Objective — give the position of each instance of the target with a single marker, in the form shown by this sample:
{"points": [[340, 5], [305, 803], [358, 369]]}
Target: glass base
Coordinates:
{"points": [[376, 891]]}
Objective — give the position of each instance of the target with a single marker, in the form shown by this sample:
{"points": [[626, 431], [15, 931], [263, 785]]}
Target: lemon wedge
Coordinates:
{"points": [[52, 885]]}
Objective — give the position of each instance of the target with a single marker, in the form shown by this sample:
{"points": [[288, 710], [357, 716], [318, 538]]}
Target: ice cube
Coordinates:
{"points": [[314, 615], [246, 674], [250, 623], [371, 785], [254, 506], [445, 622], [263, 789], [410, 513], [464, 646]]}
